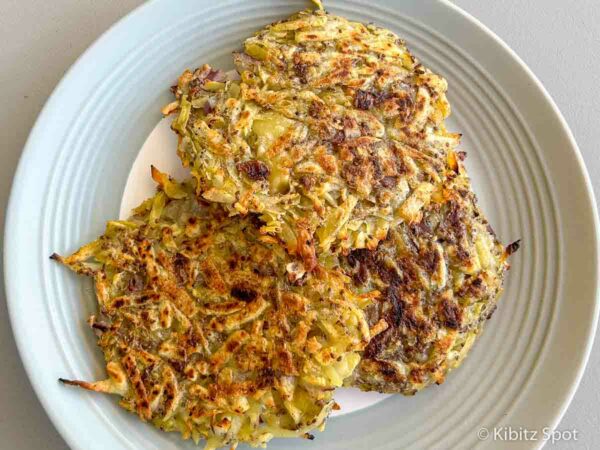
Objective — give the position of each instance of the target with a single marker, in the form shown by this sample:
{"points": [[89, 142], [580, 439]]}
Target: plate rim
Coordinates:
{"points": [[592, 203], [53, 101]]}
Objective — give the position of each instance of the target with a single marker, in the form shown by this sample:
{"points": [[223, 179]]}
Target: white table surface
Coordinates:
{"points": [[39, 40]]}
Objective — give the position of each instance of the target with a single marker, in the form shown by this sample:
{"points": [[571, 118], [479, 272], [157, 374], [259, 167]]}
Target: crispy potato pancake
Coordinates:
{"points": [[329, 128], [211, 329], [440, 280]]}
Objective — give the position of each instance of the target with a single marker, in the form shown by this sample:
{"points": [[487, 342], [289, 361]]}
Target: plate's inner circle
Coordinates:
{"points": [[159, 150]]}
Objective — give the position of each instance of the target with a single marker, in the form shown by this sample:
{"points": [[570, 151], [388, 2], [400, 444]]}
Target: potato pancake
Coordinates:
{"points": [[440, 280], [329, 127], [209, 329]]}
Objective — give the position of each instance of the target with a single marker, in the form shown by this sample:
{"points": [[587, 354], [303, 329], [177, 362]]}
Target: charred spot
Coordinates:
{"points": [[180, 263], [451, 314], [119, 303], [387, 371], [421, 103], [243, 293], [462, 254], [173, 89], [387, 275], [338, 137], [301, 71], [461, 155], [135, 283], [402, 313], [364, 100], [398, 306], [308, 436], [377, 345], [512, 248], [410, 277], [254, 219], [100, 326], [429, 260], [401, 167], [421, 228], [360, 255], [377, 170], [365, 130], [356, 170], [364, 261], [254, 169], [477, 283], [193, 340], [405, 105], [453, 226], [455, 215], [308, 181], [315, 109], [464, 193], [266, 378], [179, 366], [389, 182], [361, 275]]}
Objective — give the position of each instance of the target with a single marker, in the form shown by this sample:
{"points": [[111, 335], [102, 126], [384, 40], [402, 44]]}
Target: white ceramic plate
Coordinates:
{"points": [[524, 162]]}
